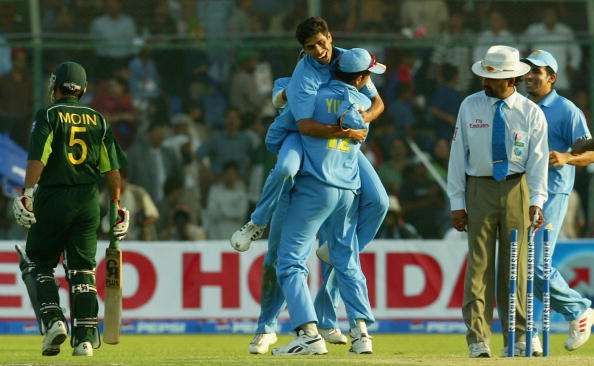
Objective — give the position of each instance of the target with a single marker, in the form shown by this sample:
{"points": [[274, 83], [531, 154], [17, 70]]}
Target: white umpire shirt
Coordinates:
{"points": [[525, 143]]}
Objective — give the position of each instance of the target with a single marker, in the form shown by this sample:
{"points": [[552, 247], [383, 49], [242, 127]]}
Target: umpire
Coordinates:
{"points": [[72, 147], [497, 179]]}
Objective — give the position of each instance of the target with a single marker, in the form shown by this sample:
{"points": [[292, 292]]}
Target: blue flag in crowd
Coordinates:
{"points": [[13, 163]]}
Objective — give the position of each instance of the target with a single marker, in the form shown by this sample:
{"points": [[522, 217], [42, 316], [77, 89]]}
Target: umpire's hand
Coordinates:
{"points": [[536, 211], [459, 219]]}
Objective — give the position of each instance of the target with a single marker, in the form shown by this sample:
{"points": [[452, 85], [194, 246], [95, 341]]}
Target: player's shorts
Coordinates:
{"points": [[67, 220]]}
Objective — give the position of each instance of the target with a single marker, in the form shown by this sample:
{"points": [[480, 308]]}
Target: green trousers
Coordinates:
{"points": [[67, 221], [494, 209]]}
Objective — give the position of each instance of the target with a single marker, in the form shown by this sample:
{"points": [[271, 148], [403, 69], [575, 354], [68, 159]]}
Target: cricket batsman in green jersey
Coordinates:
{"points": [[72, 148]]}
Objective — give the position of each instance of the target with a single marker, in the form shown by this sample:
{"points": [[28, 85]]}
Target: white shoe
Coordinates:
{"points": [[361, 343], [303, 345], [83, 349], [53, 338], [579, 330], [520, 348], [479, 350], [261, 342], [242, 238], [333, 335], [323, 253]]}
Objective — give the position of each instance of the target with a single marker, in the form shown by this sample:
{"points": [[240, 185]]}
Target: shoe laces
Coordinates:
{"points": [[258, 338]]}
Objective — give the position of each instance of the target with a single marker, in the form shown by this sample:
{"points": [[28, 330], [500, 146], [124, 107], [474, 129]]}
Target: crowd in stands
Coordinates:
{"points": [[193, 119]]}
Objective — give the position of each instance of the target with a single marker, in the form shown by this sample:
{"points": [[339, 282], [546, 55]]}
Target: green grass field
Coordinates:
{"points": [[397, 349]]}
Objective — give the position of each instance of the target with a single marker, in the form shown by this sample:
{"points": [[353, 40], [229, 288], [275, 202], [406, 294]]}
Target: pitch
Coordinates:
{"points": [[389, 349]]}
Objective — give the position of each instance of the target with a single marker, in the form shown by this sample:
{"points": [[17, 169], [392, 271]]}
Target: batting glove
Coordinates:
{"points": [[22, 208], [120, 228]]}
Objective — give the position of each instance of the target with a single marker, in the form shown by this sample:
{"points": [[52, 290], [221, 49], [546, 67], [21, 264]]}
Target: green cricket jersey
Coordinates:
{"points": [[74, 142]]}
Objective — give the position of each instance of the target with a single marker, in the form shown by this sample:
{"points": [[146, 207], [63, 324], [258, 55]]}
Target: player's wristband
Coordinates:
{"points": [[28, 192]]}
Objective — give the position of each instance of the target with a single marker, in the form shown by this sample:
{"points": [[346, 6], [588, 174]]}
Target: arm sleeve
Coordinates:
{"points": [[111, 156], [40, 146], [457, 166], [279, 85], [579, 127], [301, 94], [369, 89], [537, 166]]}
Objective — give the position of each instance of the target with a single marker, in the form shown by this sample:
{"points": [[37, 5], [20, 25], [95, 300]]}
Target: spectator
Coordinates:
{"points": [[115, 103], [372, 16], [227, 204], [445, 102], [184, 146], [151, 163], [237, 145], [161, 23], [143, 211], [441, 157], [402, 111], [244, 92], [214, 16], [496, 34], [394, 226], [243, 20], [422, 201], [208, 93], [116, 32], [558, 39], [57, 17], [453, 49], [181, 227], [144, 81], [342, 14], [575, 218], [392, 170], [424, 18], [6, 27], [16, 99]]}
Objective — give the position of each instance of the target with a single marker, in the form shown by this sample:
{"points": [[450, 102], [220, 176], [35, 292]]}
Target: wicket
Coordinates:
{"points": [[512, 292]]}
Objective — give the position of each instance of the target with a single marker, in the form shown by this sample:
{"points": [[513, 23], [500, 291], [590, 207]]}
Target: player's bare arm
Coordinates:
{"points": [[313, 128], [34, 170], [114, 184], [558, 159], [376, 109]]}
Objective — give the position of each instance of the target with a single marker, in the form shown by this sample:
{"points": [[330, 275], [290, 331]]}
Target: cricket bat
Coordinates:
{"points": [[112, 317]]}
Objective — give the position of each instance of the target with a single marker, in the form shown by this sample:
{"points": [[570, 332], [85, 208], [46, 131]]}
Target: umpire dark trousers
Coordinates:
{"points": [[494, 209]]}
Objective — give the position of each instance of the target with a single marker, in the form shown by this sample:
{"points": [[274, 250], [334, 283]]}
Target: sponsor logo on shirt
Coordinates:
{"points": [[478, 124]]}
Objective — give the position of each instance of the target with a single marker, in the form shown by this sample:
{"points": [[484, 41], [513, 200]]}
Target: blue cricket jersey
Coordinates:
{"points": [[308, 76], [566, 124], [334, 161]]}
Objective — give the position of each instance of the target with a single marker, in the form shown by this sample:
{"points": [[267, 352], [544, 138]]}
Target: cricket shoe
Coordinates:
{"points": [[333, 335], [83, 349], [303, 345], [580, 330], [242, 238], [53, 338], [479, 350], [261, 342], [520, 348], [361, 343]]}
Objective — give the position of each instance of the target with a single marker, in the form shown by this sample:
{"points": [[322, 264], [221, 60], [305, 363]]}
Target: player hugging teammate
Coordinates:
{"points": [[321, 177]]}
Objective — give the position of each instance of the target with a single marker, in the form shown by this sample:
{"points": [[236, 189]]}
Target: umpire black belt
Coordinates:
{"points": [[509, 177]]}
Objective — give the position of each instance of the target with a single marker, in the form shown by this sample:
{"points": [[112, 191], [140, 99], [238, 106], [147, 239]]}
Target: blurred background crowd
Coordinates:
{"points": [[186, 87]]}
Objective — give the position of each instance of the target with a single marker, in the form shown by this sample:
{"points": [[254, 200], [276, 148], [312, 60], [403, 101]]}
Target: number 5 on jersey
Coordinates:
{"points": [[74, 141]]}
